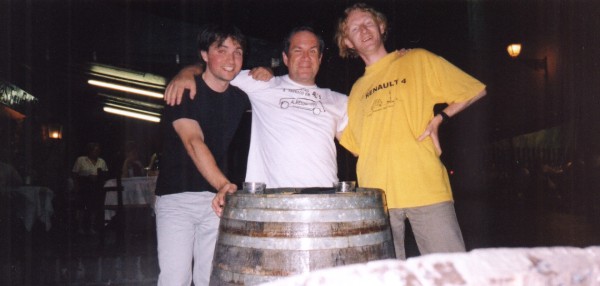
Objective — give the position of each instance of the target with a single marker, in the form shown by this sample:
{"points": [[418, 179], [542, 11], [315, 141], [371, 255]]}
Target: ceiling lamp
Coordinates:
{"points": [[126, 75], [125, 88], [131, 112]]}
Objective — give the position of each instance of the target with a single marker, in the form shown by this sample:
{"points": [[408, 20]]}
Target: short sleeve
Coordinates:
{"points": [[183, 110], [450, 84], [245, 82]]}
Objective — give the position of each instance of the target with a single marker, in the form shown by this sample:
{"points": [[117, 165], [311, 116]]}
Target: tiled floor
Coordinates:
{"points": [[62, 256]]}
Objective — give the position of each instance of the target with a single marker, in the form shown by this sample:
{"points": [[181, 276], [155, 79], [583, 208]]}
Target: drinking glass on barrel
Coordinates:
{"points": [[254, 187], [345, 186]]}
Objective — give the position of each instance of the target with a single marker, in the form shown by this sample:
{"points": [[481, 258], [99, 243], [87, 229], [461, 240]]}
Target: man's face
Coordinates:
{"points": [[223, 61], [363, 33], [303, 58], [95, 153]]}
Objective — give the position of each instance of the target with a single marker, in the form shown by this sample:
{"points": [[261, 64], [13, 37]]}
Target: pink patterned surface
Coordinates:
{"points": [[499, 266]]}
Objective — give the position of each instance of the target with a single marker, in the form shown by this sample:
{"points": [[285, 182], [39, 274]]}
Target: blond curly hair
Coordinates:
{"points": [[340, 34]]}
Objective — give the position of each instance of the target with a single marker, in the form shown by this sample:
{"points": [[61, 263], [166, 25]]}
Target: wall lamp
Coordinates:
{"points": [[131, 112], [52, 131], [514, 50], [125, 88]]}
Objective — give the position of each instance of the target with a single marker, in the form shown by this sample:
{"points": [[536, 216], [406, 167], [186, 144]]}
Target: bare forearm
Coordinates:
{"points": [[205, 163], [192, 70], [432, 127], [457, 107], [182, 81]]}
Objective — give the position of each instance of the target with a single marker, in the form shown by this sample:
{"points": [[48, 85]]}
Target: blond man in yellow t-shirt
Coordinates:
{"points": [[393, 131]]}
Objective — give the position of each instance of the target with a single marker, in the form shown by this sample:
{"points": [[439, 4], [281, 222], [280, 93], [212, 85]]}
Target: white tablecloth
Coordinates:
{"points": [[33, 203], [480, 267], [137, 191]]}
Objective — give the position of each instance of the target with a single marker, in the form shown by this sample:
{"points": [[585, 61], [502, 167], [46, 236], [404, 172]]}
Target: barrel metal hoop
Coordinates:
{"points": [[306, 243], [277, 215]]}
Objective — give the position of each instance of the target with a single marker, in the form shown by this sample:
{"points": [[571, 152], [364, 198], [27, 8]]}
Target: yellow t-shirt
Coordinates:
{"points": [[389, 108]]}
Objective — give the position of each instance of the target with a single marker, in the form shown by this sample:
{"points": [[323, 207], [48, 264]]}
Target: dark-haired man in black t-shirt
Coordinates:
{"points": [[197, 135]]}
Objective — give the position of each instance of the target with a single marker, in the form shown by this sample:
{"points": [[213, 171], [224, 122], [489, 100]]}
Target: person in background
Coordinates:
{"points": [[9, 176], [287, 112], [196, 140], [88, 177], [132, 166], [394, 132], [154, 167]]}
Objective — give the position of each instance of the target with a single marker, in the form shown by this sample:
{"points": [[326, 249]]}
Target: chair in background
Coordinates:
{"points": [[117, 221]]}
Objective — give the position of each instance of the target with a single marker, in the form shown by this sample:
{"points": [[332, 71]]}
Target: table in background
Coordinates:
{"points": [[137, 191]]}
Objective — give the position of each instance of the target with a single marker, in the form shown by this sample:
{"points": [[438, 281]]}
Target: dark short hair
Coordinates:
{"points": [[213, 33], [130, 146], [91, 146], [287, 40]]}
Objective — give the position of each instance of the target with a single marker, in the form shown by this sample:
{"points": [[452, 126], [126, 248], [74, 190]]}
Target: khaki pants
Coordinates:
{"points": [[435, 228]]}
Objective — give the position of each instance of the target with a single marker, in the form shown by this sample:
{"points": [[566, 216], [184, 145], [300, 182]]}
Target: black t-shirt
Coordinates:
{"points": [[219, 115]]}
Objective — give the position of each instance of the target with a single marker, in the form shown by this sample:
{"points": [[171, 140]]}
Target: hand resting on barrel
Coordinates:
{"points": [[219, 199]]}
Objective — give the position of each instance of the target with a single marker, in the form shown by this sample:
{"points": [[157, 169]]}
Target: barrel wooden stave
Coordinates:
{"points": [[266, 237]]}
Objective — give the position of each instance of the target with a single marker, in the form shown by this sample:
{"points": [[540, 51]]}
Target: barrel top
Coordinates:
{"points": [[289, 199], [271, 192]]}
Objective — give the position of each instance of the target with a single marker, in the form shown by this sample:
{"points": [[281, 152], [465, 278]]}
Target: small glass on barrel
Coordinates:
{"points": [[345, 186]]}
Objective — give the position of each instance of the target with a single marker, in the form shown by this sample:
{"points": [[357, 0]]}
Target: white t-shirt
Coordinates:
{"points": [[293, 130], [84, 166]]}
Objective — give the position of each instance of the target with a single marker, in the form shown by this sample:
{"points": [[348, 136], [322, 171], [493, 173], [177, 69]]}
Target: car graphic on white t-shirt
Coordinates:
{"points": [[303, 103]]}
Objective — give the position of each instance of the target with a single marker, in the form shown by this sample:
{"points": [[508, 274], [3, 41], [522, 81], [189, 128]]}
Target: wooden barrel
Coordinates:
{"points": [[285, 232]]}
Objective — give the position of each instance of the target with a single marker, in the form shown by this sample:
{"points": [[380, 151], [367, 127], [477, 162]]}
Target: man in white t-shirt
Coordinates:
{"points": [[294, 122], [88, 172]]}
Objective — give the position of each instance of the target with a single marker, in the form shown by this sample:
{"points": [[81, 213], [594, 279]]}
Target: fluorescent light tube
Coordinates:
{"points": [[122, 107], [131, 114], [126, 75], [125, 88]]}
